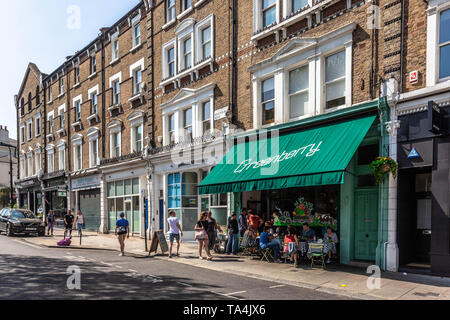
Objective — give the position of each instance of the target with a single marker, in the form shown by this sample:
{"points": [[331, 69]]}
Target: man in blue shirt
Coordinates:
{"points": [[308, 233], [122, 231], [265, 242]]}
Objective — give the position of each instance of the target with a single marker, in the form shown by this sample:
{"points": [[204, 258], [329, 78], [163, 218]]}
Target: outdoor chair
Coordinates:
{"points": [[266, 255], [317, 255]]}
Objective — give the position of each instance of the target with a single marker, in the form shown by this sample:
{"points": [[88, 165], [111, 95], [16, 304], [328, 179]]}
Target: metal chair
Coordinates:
{"points": [[316, 252]]}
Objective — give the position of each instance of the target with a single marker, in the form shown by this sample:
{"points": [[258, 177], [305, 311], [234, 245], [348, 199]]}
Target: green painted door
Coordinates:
{"points": [[366, 224]]}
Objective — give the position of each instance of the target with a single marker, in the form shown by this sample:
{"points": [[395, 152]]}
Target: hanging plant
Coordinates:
{"points": [[382, 166]]}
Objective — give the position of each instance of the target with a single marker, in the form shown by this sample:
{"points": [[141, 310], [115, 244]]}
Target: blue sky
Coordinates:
{"points": [[44, 32]]}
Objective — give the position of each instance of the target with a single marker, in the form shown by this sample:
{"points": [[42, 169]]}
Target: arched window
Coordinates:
{"points": [[29, 102], [22, 107], [38, 98]]}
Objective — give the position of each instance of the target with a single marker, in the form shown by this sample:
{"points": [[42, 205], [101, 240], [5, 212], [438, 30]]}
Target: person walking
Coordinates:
{"points": [[68, 222], [202, 237], [123, 232], [51, 220], [79, 221], [243, 222], [174, 232], [212, 230], [233, 235]]}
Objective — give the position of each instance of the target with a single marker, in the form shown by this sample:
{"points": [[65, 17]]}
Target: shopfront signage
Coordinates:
{"points": [[413, 154], [436, 117], [87, 182], [307, 151], [220, 114], [414, 77]]}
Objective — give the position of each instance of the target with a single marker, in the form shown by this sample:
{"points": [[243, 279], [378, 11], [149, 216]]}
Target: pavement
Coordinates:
{"points": [[335, 279]]}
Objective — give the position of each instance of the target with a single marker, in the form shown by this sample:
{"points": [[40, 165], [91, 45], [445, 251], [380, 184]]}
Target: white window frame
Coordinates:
{"points": [[302, 91], [50, 94], [61, 86], [288, 8], [325, 84], [51, 125], [184, 32], [115, 129], [37, 126], [30, 129], [205, 23], [183, 5], [38, 159], [168, 8], [94, 91], [136, 120], [139, 65], [92, 66], [76, 71], [30, 164], [435, 7], [93, 135], [165, 59], [51, 159], [185, 99], [62, 111], [295, 53], [258, 14], [211, 116], [115, 53], [117, 78], [74, 101], [135, 23], [22, 132], [77, 141], [61, 155]]}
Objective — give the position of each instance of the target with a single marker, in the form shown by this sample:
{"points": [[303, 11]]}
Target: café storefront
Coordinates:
{"points": [[314, 171]]}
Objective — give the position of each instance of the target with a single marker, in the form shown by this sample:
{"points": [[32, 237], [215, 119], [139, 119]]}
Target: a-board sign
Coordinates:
{"points": [[159, 239]]}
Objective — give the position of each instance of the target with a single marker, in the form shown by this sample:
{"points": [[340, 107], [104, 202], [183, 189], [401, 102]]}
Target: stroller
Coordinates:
{"points": [[66, 242]]}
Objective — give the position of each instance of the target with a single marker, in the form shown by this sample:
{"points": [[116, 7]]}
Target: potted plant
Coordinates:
{"points": [[382, 166]]}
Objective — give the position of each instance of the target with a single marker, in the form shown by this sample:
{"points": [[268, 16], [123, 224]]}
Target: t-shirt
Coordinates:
{"points": [[122, 222], [173, 221], [309, 234], [263, 240], [202, 224], [211, 225], [69, 218], [51, 218], [233, 226], [254, 221], [333, 236], [243, 224]]}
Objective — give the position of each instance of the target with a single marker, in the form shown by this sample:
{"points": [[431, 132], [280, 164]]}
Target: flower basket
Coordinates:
{"points": [[383, 166]]}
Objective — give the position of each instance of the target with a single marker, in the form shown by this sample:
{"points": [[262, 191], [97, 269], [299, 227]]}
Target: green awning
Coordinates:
{"points": [[312, 157]]}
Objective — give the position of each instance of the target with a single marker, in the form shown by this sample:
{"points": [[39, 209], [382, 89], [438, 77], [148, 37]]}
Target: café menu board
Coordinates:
{"points": [[159, 239]]}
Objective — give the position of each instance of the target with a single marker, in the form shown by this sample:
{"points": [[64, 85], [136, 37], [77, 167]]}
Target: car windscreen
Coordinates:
{"points": [[22, 215]]}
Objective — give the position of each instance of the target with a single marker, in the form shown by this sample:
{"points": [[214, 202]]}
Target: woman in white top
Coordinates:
{"points": [[79, 221]]}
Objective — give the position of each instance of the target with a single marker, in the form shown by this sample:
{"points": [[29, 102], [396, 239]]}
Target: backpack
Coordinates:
{"points": [[121, 230]]}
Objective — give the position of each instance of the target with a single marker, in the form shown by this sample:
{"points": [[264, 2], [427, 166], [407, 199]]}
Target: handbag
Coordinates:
{"points": [[200, 235]]}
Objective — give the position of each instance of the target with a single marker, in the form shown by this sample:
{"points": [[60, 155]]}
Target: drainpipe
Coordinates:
{"points": [[402, 47]]}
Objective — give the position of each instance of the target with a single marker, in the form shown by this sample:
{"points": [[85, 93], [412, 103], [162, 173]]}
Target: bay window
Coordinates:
{"points": [[335, 80], [268, 101], [444, 44], [298, 92]]}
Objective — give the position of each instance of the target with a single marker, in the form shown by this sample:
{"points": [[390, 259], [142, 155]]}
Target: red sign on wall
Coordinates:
{"points": [[414, 76]]}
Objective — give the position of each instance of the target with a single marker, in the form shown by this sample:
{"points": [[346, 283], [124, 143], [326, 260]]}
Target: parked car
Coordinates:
{"points": [[20, 222]]}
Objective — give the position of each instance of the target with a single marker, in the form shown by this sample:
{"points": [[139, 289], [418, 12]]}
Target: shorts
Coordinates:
{"points": [[68, 226], [122, 238], [173, 237]]}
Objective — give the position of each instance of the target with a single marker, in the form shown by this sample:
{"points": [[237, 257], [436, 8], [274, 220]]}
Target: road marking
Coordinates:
{"points": [[27, 244], [106, 264], [225, 295], [133, 270], [184, 284], [279, 286], [234, 293]]}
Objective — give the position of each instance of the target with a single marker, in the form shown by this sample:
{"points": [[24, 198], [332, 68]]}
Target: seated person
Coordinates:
{"points": [[265, 241], [291, 244], [270, 226], [250, 238], [308, 234], [330, 240]]}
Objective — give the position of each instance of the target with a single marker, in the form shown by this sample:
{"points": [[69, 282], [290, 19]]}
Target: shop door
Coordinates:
{"points": [[366, 224], [161, 214], [422, 244], [90, 207]]}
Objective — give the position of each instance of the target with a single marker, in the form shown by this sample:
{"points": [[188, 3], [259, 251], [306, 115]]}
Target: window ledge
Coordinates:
{"points": [[76, 124], [92, 75], [76, 85], [114, 61], [184, 13], [116, 106], [60, 95], [50, 102], [195, 68], [168, 24], [199, 3], [138, 96], [93, 116], [136, 47]]}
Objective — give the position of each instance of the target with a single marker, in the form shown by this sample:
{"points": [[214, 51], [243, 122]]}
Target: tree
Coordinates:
{"points": [[5, 193]]}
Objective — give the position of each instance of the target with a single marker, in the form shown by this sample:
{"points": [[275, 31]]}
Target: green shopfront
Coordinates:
{"points": [[315, 171]]}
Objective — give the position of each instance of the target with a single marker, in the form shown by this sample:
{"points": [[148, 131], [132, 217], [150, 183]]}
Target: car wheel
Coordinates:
{"points": [[9, 232], [41, 234]]}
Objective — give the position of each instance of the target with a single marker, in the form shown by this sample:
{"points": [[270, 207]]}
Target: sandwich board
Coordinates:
{"points": [[158, 239]]}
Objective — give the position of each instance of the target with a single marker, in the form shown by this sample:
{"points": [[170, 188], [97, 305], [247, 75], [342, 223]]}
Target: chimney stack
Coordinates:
{"points": [[4, 135]]}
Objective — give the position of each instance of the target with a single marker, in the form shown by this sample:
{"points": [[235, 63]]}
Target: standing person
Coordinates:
{"points": [[254, 220], [201, 236], [233, 232], [243, 222], [291, 244], [212, 229], [123, 232], [174, 232], [79, 221], [68, 221], [51, 221]]}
